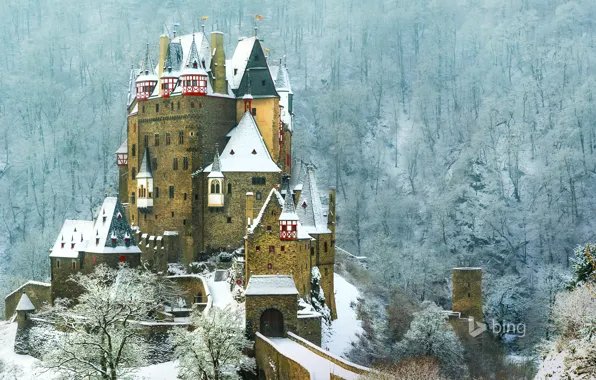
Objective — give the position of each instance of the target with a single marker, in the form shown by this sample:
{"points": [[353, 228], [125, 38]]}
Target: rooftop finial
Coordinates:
{"points": [[216, 162], [203, 28], [256, 31]]}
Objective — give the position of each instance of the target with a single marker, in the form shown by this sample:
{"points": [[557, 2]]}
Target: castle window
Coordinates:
{"points": [[192, 104], [172, 214], [200, 104], [229, 219], [180, 137], [468, 295], [74, 265], [271, 249], [468, 284], [143, 109], [184, 221], [154, 163], [283, 248], [122, 259], [157, 108], [157, 192], [134, 127], [132, 198], [132, 217], [258, 248], [196, 197], [175, 163], [325, 247], [184, 163], [178, 106], [229, 188], [57, 263], [133, 173], [269, 266], [258, 196], [155, 216], [254, 112], [134, 150], [146, 140], [94, 259], [184, 196], [268, 228], [157, 139], [171, 192], [168, 139], [172, 106], [263, 82], [325, 271]]}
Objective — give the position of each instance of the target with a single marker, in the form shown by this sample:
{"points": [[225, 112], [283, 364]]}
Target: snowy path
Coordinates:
{"points": [[221, 296], [344, 330], [319, 367]]}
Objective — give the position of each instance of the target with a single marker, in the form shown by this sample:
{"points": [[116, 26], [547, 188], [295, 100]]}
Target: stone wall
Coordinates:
{"points": [[225, 228], [272, 365], [289, 257], [39, 293], [467, 292], [256, 305], [343, 363], [192, 285], [309, 328], [203, 121], [60, 271], [324, 258]]}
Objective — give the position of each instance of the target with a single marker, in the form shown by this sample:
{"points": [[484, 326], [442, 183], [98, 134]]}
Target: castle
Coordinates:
{"points": [[206, 167]]}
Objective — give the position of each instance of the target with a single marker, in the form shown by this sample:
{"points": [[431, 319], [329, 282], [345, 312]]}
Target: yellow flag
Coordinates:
{"points": [[204, 18]]}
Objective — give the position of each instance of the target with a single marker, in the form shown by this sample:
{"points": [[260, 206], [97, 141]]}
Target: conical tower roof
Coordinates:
{"points": [[25, 304], [145, 169], [193, 57], [216, 167]]}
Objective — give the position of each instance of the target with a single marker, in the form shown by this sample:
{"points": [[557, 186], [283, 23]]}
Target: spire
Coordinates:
{"points": [[193, 57], [216, 163], [288, 201], [145, 169], [132, 89], [147, 65]]}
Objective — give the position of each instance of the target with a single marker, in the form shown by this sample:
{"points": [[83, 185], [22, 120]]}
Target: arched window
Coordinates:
{"points": [[212, 187], [217, 187], [229, 188]]}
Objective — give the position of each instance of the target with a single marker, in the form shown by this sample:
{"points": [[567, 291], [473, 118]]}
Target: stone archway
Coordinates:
{"points": [[272, 323]]}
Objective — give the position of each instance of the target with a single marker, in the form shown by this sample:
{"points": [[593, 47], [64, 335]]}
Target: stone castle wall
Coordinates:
{"points": [[467, 292], [39, 293], [272, 365], [309, 328], [256, 305]]}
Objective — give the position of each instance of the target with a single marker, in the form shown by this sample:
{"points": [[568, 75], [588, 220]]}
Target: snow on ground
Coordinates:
{"points": [[319, 367], [162, 371], [25, 367], [343, 330], [221, 295]]}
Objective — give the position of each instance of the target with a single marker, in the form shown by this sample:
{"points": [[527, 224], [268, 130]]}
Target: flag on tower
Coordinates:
{"points": [[204, 18], [259, 17]]}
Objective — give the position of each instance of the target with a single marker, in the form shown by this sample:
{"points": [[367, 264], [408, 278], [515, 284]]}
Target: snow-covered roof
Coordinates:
{"points": [[25, 304], [282, 79], [135, 110], [309, 207], [145, 169], [132, 88], [257, 220], [123, 148], [239, 60], [193, 64], [72, 239], [262, 285], [111, 224], [203, 48], [288, 211], [246, 151]]}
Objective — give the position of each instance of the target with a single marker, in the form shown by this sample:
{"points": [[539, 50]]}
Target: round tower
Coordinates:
{"points": [[467, 292], [24, 308]]}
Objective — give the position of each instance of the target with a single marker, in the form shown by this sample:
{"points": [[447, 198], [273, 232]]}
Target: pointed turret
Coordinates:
{"points": [[216, 183], [170, 75], [194, 76], [288, 219], [147, 81], [145, 183], [247, 95], [132, 90]]}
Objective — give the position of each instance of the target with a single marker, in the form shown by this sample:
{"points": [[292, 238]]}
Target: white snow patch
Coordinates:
{"points": [[344, 330], [167, 370], [220, 293], [14, 366]]}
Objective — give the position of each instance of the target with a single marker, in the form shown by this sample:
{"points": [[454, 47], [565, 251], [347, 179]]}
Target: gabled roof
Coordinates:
{"points": [[273, 194], [145, 169], [194, 59], [25, 304], [239, 61], [77, 232], [262, 285], [115, 226], [289, 211], [246, 150], [203, 48], [309, 207]]}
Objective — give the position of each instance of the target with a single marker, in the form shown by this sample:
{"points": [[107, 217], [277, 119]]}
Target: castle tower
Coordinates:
{"points": [[147, 81], [24, 309], [169, 76], [215, 183], [122, 163], [145, 184], [194, 76], [288, 219], [467, 292]]}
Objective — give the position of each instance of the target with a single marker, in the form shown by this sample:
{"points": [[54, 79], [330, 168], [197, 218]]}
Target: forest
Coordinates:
{"points": [[457, 132]]}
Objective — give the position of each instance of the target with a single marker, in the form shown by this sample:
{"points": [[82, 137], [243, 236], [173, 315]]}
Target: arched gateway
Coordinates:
{"points": [[272, 323]]}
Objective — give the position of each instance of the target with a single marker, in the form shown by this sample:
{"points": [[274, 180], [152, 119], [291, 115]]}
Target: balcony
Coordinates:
{"points": [[215, 200]]}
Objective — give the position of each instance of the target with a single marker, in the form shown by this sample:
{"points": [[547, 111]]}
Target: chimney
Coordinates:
{"points": [[249, 209], [164, 44], [218, 63]]}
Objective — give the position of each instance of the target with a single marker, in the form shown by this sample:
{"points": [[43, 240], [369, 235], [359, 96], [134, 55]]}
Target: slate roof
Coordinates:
{"points": [[239, 61], [77, 232], [309, 207], [262, 285], [123, 148], [246, 150]]}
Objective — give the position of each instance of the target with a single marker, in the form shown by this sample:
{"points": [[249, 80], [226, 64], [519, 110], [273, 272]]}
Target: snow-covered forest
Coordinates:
{"points": [[457, 132]]}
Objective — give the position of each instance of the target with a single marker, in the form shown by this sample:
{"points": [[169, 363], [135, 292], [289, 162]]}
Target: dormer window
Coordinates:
{"points": [[62, 245]]}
